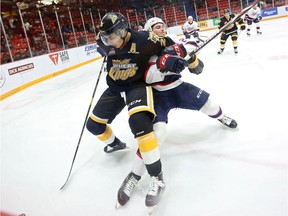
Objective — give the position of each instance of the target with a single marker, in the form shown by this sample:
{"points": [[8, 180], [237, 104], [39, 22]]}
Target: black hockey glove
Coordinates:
{"points": [[176, 49], [195, 34], [259, 17], [195, 65], [169, 63], [242, 27], [198, 69]]}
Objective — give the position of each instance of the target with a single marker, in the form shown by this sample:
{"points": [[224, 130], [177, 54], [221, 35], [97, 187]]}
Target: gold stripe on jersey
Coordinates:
{"points": [[106, 135], [147, 142], [97, 119], [150, 104]]}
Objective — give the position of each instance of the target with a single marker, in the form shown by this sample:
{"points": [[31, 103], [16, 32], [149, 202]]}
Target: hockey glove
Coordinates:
{"points": [[242, 27], [169, 63], [259, 17], [195, 65], [195, 34], [176, 49]]}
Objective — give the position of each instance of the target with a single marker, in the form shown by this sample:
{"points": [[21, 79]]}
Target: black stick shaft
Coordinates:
{"points": [[81, 134]]}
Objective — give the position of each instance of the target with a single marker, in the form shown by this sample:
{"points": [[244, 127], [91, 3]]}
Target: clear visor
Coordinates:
{"points": [[111, 39]]}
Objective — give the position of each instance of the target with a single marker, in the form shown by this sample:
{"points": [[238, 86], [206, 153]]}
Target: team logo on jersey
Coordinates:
{"points": [[133, 49], [122, 69]]}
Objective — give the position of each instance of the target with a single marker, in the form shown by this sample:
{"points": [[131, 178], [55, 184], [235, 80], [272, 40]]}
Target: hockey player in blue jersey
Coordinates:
{"points": [[170, 92]]}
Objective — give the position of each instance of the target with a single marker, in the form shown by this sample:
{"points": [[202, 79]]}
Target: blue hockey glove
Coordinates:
{"points": [[176, 49], [169, 63]]}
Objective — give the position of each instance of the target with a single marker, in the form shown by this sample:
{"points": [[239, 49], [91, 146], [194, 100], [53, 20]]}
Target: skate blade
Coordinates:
{"points": [[118, 151], [117, 205], [150, 210]]}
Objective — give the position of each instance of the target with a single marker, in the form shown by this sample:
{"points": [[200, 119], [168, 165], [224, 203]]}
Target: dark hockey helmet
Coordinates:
{"points": [[112, 22], [226, 10]]}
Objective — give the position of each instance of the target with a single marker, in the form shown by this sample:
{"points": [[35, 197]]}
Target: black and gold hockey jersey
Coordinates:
{"points": [[126, 67], [233, 27]]}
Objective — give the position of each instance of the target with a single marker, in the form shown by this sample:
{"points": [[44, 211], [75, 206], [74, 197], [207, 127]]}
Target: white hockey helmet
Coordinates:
{"points": [[151, 22], [190, 17]]}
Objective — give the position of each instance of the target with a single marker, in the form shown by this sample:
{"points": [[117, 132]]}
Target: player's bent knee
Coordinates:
{"points": [[95, 127], [160, 130], [141, 123]]}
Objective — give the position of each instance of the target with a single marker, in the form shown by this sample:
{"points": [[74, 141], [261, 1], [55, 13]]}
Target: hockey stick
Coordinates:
{"points": [[88, 111], [204, 36], [224, 27]]}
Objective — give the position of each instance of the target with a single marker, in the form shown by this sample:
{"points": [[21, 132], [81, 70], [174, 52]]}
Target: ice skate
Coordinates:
{"points": [[156, 189], [127, 187], [259, 32], [248, 33], [220, 51], [236, 50], [115, 146], [229, 122]]}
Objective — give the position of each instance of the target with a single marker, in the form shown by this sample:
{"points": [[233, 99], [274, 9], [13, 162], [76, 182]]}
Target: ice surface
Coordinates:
{"points": [[209, 170]]}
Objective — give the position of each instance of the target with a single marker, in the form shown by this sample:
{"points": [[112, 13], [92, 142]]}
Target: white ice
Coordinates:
{"points": [[209, 170]]}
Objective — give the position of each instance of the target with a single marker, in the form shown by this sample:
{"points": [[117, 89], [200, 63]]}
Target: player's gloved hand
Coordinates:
{"points": [[198, 69], [242, 27], [171, 63], [195, 65], [176, 49], [187, 36], [246, 17], [195, 34], [259, 17]]}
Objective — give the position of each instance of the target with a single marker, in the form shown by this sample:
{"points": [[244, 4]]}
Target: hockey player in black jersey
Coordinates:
{"points": [[128, 53], [231, 31], [170, 92]]}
